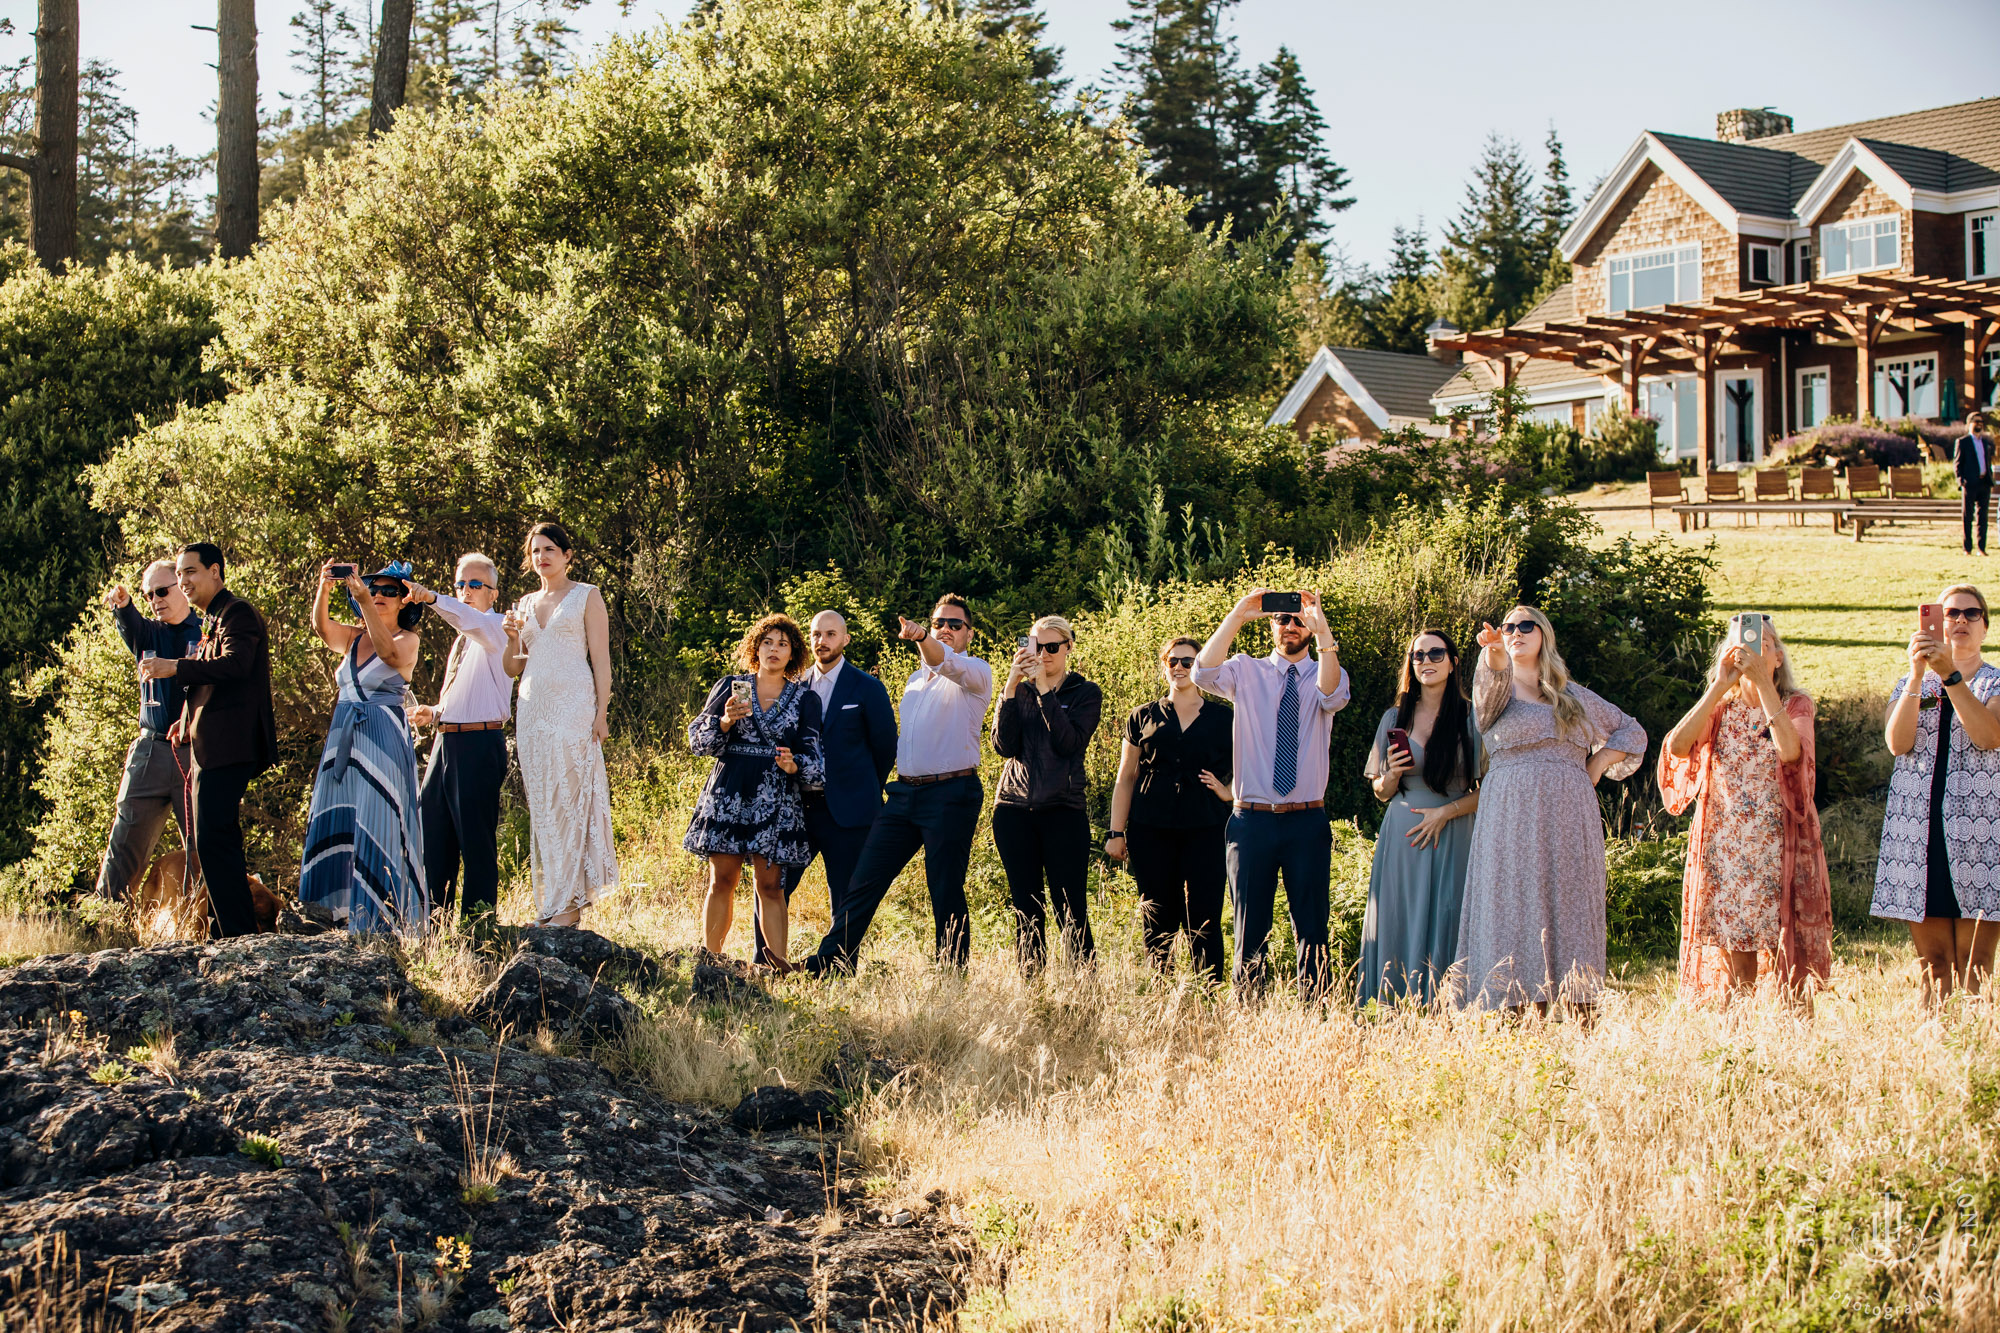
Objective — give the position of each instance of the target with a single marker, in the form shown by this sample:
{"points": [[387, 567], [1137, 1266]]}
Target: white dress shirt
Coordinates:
{"points": [[1256, 685], [479, 688], [822, 683], [943, 712]]}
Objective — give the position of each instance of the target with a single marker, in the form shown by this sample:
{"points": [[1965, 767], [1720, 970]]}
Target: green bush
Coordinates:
{"points": [[1642, 905]]}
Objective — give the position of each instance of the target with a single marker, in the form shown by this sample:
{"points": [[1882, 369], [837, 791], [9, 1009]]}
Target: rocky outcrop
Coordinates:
{"points": [[272, 1134]]}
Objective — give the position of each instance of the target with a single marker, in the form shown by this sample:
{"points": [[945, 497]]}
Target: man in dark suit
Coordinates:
{"points": [[227, 723], [1973, 462], [857, 739]]}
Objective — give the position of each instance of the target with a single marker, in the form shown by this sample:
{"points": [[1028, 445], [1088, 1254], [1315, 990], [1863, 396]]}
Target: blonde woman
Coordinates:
{"points": [[1047, 716], [1755, 890], [1940, 862], [1532, 927]]}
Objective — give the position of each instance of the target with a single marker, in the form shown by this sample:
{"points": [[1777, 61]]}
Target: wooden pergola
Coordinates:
{"points": [[1696, 336]]}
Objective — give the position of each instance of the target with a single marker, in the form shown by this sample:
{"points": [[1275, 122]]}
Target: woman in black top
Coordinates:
{"points": [[1048, 714], [1169, 811]]}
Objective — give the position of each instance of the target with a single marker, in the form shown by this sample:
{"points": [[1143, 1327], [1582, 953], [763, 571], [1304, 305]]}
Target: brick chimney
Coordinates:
{"points": [[1747, 123], [1442, 328]]}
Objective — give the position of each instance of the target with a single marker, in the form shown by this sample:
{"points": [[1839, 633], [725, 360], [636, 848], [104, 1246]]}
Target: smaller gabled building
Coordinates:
{"points": [[1351, 395]]}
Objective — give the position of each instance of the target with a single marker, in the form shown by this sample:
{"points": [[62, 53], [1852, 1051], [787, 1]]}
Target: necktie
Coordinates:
{"points": [[1285, 772], [451, 665]]}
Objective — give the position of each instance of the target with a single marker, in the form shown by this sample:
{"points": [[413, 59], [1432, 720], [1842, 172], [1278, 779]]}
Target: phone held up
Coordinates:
{"points": [[1930, 620], [340, 572], [1746, 631], [740, 691], [1399, 739], [1273, 603]]}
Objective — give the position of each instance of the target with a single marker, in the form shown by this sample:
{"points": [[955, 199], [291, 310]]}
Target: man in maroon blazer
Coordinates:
{"points": [[227, 723]]}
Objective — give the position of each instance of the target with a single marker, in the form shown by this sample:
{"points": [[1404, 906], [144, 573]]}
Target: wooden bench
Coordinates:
{"points": [[1864, 516], [1863, 479], [1907, 483], [1698, 515], [1663, 487], [1818, 483]]}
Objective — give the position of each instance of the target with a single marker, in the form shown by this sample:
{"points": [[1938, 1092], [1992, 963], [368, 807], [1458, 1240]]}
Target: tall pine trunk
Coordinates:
{"points": [[236, 128], [51, 171], [392, 64]]}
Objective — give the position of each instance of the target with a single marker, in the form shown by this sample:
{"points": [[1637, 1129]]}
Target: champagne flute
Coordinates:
{"points": [[146, 692]]}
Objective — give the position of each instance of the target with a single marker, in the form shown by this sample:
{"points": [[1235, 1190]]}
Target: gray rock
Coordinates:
{"points": [[536, 989], [780, 1108], [592, 954]]}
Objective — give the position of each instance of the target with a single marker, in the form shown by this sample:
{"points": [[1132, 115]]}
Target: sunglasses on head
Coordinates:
{"points": [[1524, 627], [1963, 613], [947, 622], [474, 583], [1287, 618], [1429, 654], [157, 593], [1187, 662]]}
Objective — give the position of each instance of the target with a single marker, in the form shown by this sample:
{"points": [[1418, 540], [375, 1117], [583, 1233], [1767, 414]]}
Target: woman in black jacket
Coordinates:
{"points": [[1047, 716]]}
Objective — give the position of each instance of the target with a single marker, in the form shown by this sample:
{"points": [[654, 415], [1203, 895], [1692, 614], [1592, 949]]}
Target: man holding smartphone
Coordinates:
{"points": [[934, 802], [1282, 732]]}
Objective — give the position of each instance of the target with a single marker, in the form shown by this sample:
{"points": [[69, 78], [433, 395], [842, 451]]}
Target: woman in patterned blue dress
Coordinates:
{"points": [[1939, 867], [762, 729], [364, 857]]}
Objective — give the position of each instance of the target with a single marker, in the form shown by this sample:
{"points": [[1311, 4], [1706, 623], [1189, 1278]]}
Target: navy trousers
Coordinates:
{"points": [[460, 807], [839, 850], [938, 819], [1263, 844]]}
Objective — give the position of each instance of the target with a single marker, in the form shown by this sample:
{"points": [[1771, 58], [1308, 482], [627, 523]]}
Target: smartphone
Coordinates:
{"points": [[341, 572], [1274, 602], [1930, 620], [1024, 643], [1401, 738], [740, 691], [1749, 632]]}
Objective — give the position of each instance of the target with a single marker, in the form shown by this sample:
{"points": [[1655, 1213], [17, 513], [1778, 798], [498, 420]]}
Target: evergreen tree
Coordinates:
{"points": [[996, 19], [1492, 261], [1292, 142], [325, 57], [1557, 209], [1408, 304]]}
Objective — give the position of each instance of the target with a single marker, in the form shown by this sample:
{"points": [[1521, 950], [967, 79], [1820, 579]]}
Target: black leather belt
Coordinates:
{"points": [[926, 779]]}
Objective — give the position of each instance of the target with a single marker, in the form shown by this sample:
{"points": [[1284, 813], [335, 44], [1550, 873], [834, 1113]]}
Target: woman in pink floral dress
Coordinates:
{"points": [[1755, 896]]}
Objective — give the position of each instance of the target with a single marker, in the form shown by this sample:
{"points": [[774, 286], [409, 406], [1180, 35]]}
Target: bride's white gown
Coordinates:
{"points": [[569, 800]]}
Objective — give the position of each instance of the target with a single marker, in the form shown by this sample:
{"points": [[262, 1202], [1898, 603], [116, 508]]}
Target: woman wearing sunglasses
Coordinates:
{"points": [[1047, 716], [1170, 810], [1939, 867], [1755, 894], [364, 857], [1409, 936], [1532, 928]]}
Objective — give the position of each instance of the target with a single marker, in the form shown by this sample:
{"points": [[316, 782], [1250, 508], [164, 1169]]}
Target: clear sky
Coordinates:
{"points": [[1409, 91]]}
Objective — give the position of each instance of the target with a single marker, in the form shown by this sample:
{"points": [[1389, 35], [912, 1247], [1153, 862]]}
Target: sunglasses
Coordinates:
{"points": [[1187, 662], [474, 583], [157, 593], [1524, 628], [1429, 654], [1963, 613], [947, 622], [387, 590], [1051, 649], [1286, 618]]}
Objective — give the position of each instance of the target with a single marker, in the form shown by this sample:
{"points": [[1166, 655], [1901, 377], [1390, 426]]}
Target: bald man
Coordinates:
{"points": [[156, 770], [857, 737]]}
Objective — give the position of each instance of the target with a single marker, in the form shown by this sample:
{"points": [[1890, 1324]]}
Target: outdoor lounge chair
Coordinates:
{"points": [[1863, 479], [1722, 488], [1668, 488], [1774, 483], [1907, 483], [1818, 483]]}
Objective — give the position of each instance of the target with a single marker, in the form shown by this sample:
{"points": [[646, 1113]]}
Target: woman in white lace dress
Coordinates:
{"points": [[559, 644]]}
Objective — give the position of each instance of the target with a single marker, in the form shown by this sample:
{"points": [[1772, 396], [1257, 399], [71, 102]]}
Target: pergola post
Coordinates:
{"points": [[1703, 347]]}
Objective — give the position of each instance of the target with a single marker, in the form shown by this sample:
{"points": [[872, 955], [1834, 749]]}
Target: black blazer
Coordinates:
{"points": [[1965, 460], [228, 719], [857, 738]]}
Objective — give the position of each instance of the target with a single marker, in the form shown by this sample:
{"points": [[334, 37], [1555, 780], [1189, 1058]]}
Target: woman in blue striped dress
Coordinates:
{"points": [[364, 854]]}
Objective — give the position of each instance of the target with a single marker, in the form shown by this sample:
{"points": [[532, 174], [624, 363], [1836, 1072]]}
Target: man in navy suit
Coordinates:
{"points": [[857, 739], [1973, 462]]}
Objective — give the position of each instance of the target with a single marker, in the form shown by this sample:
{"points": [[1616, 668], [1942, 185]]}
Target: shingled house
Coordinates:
{"points": [[1357, 395], [1744, 287]]}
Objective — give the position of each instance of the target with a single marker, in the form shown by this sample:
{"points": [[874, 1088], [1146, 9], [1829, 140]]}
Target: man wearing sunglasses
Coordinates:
{"points": [[156, 769], [1282, 731], [460, 797], [935, 800]]}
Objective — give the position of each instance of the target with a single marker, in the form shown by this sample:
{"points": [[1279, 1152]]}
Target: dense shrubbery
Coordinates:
{"points": [[1885, 444], [1555, 455]]}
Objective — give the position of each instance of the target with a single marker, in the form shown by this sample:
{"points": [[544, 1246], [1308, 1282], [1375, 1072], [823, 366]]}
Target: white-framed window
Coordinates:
{"points": [[1802, 262], [1764, 264], [1861, 245], [1812, 399], [1656, 277], [1906, 386], [1982, 245], [1672, 402], [1986, 393]]}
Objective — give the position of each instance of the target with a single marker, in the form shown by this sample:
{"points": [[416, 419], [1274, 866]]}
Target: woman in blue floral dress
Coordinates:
{"points": [[762, 729]]}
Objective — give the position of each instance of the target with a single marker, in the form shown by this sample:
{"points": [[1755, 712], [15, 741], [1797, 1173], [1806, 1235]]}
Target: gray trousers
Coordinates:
{"points": [[154, 784]]}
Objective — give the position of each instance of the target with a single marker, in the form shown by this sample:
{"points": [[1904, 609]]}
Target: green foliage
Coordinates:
{"points": [[262, 1148], [112, 1072], [86, 360], [1554, 454], [1642, 906], [1495, 257]]}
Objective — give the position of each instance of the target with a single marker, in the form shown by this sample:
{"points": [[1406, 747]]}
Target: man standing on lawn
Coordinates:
{"points": [[1973, 462]]}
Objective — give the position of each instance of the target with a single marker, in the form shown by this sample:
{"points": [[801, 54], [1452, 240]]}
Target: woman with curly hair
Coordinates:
{"points": [[762, 729]]}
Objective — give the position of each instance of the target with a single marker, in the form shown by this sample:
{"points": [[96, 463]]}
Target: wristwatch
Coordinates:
{"points": [[1955, 678], [925, 633], [1109, 834]]}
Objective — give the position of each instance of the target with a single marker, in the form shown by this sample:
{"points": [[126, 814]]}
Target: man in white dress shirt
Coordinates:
{"points": [[934, 802], [460, 798]]}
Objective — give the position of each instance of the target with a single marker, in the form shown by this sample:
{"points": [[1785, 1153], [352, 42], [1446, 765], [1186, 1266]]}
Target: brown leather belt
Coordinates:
{"points": [[451, 727], [927, 779], [1284, 809]]}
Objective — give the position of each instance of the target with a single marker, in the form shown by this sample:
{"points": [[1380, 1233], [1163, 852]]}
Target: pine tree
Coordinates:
{"points": [[1557, 209], [1408, 304], [1492, 259], [996, 19], [322, 56], [1292, 143]]}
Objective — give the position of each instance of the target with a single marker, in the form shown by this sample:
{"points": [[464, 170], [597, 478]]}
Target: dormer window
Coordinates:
{"points": [[1655, 277], [1861, 245], [1765, 264]]}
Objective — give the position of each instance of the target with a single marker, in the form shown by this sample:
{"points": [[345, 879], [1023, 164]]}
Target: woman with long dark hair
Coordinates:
{"points": [[1409, 937]]}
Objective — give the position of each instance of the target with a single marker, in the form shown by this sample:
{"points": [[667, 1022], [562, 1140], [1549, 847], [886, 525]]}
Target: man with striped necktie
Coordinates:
{"points": [[1282, 731], [460, 798]]}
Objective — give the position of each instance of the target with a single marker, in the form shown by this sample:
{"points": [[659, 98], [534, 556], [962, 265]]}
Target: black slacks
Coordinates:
{"points": [[1051, 843], [1181, 875], [217, 810], [938, 819], [460, 806], [839, 850], [1979, 495]]}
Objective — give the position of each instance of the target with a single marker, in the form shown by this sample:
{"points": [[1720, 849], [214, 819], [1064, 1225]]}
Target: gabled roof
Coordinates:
{"points": [[1750, 177], [1969, 131], [1382, 384], [1476, 378]]}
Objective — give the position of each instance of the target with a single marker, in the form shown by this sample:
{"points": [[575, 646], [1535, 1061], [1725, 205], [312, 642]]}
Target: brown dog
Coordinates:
{"points": [[166, 905]]}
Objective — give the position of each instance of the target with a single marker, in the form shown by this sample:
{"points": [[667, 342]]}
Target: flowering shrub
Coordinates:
{"points": [[1885, 444]]}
